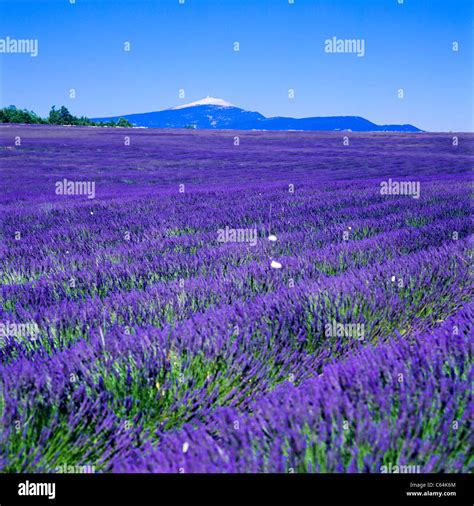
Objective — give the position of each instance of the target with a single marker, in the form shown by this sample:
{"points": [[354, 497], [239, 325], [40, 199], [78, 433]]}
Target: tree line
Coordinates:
{"points": [[60, 116]]}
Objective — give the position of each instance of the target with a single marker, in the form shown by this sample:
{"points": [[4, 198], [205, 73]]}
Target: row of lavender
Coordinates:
{"points": [[405, 406], [158, 346]]}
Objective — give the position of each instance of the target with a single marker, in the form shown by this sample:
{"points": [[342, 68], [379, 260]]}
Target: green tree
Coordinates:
{"points": [[61, 116], [122, 122]]}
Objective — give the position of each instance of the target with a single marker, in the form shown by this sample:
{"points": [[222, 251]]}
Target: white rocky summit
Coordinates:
{"points": [[206, 101]]}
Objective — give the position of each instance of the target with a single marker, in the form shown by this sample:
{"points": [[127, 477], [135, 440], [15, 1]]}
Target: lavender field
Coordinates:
{"points": [[221, 301]]}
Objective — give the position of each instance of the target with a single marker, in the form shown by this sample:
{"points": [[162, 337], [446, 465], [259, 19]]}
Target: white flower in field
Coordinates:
{"points": [[272, 238], [185, 447], [275, 265], [393, 278], [92, 212]]}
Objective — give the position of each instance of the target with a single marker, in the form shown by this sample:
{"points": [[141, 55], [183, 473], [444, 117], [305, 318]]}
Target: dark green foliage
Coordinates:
{"points": [[60, 116], [11, 114], [122, 122]]}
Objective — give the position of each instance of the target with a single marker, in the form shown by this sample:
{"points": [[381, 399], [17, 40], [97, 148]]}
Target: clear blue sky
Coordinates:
{"points": [[190, 47]]}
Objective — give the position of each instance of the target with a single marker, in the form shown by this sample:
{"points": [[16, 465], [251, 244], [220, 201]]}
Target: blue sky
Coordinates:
{"points": [[190, 46]]}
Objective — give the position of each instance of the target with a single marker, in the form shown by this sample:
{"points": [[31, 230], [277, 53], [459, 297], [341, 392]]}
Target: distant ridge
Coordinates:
{"points": [[218, 114]]}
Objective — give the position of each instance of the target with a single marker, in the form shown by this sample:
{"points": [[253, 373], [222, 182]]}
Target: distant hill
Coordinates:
{"points": [[217, 114]]}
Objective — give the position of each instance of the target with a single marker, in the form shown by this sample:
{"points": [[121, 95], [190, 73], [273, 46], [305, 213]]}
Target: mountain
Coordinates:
{"points": [[217, 114]]}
